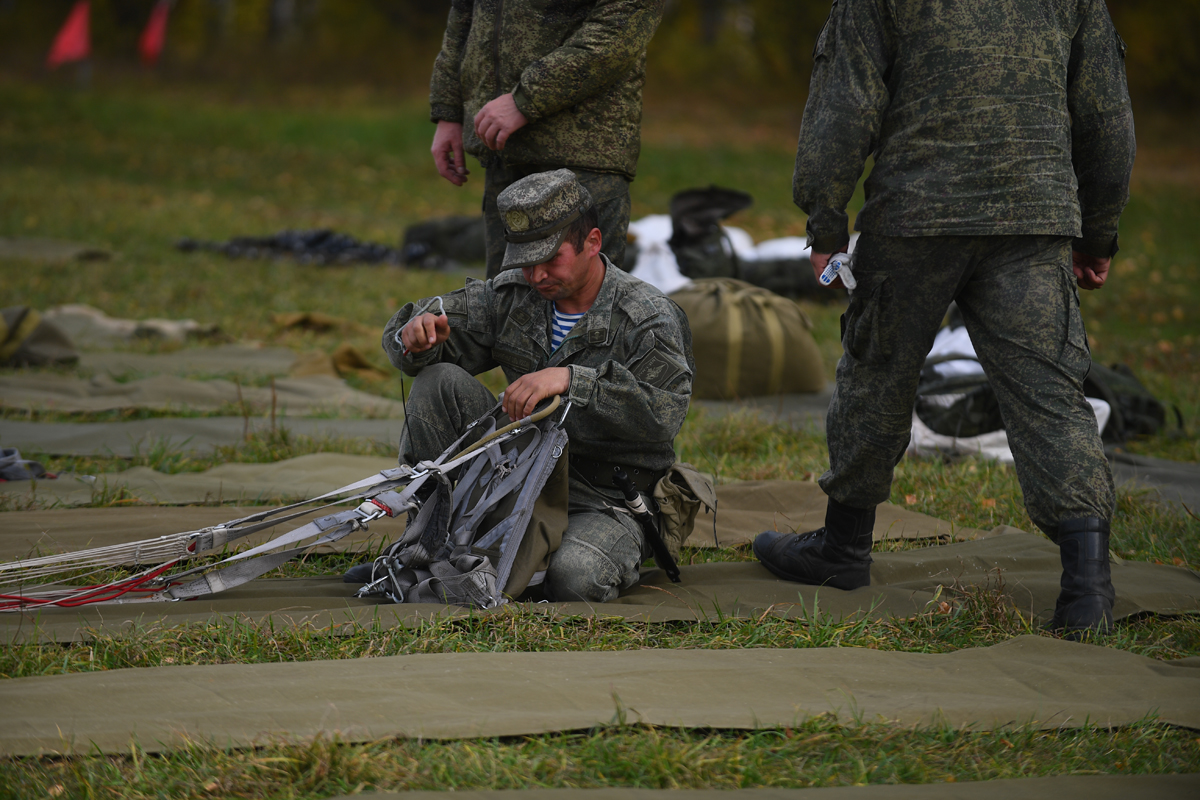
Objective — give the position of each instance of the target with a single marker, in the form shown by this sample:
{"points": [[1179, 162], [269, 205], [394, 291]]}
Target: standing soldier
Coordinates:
{"points": [[1002, 137], [529, 87]]}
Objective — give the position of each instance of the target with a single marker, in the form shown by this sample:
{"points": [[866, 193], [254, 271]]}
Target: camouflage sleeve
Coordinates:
{"points": [[847, 98], [597, 54], [445, 88], [472, 315], [645, 397], [1102, 138]]}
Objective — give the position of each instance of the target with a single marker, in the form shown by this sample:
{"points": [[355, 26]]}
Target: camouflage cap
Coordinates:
{"points": [[536, 211]]}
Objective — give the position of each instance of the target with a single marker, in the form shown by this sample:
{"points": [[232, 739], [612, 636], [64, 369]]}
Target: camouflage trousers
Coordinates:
{"points": [[609, 191], [602, 548], [1020, 303]]}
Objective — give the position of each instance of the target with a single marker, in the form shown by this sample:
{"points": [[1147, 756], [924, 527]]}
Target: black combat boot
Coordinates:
{"points": [[1086, 601], [837, 555]]}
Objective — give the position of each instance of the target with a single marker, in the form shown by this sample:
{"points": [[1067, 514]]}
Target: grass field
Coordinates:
{"points": [[134, 168]]}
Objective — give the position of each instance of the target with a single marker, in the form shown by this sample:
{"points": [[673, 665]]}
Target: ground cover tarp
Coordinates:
{"points": [[1173, 481], [1094, 787], [744, 509], [311, 395], [1029, 680], [799, 410], [300, 477], [33, 533], [1024, 567], [229, 359], [185, 434], [35, 249]]}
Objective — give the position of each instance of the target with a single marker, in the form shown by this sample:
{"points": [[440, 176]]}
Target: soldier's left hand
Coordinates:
{"points": [[1090, 272], [498, 120], [523, 395]]}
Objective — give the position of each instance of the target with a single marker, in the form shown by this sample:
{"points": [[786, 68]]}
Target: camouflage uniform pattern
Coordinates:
{"points": [[1002, 137], [631, 368], [576, 70], [1018, 298], [610, 194], [1002, 117], [630, 358]]}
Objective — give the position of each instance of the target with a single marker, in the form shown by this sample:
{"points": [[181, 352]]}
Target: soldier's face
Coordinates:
{"points": [[569, 272]]}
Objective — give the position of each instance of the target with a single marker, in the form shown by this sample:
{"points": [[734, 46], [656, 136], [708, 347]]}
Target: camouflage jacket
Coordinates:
{"points": [[983, 117], [575, 68], [630, 358]]}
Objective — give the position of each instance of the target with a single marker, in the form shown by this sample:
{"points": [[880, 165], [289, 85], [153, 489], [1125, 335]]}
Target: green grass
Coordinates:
{"points": [[134, 172], [818, 752]]}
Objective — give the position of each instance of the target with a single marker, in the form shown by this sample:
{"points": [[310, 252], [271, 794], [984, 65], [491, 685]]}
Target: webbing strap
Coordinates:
{"points": [[775, 337], [735, 332], [548, 457], [245, 571]]}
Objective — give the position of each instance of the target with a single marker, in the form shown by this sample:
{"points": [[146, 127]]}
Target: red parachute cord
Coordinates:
{"points": [[90, 594]]}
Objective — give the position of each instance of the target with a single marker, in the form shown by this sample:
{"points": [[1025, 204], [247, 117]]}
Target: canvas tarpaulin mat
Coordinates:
{"points": [[1174, 481], [229, 359], [1023, 566], [744, 509], [1093, 787], [34, 249], [799, 410], [1025, 681], [193, 434], [300, 477], [32, 533], [317, 394]]}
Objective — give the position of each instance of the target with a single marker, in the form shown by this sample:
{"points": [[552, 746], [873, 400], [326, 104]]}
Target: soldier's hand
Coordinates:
{"points": [[448, 152], [424, 332], [1090, 272], [498, 120], [819, 262], [523, 395]]}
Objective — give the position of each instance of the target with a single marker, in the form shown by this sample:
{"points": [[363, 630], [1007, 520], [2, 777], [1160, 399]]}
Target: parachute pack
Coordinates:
{"points": [[483, 519]]}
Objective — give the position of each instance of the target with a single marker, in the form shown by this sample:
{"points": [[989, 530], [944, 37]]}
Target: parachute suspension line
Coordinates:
{"points": [[441, 312], [154, 583]]}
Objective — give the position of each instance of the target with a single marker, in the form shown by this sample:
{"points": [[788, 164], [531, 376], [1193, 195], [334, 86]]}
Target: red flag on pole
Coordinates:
{"points": [[155, 35], [73, 42]]}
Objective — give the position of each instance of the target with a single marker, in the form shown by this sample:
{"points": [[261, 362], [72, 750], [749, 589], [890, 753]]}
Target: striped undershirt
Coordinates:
{"points": [[561, 325]]}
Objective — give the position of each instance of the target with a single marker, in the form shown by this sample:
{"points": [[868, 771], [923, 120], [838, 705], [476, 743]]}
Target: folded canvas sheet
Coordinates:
{"points": [[1173, 481], [1093, 787], [800, 410], [1029, 680], [229, 359], [744, 509], [187, 434], [293, 396], [35, 533], [1023, 566], [261, 484], [48, 250]]}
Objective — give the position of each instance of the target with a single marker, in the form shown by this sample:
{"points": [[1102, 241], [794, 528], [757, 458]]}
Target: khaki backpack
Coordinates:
{"points": [[748, 341]]}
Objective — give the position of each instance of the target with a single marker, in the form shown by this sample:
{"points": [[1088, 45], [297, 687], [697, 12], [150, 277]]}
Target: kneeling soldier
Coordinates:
{"points": [[560, 320]]}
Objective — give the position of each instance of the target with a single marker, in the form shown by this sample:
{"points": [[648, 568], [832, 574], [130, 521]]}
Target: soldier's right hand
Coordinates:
{"points": [[424, 332], [448, 152]]}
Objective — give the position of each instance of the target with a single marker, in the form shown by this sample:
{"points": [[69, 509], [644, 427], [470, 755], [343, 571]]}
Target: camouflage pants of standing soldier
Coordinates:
{"points": [[1020, 303], [609, 191], [602, 548]]}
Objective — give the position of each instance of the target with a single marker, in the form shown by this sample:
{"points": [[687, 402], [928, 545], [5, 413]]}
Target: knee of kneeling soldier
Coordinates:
{"points": [[580, 572]]}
